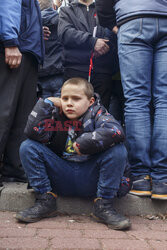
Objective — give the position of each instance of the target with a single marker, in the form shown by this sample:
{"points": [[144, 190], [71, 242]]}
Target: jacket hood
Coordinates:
{"points": [[49, 16]]}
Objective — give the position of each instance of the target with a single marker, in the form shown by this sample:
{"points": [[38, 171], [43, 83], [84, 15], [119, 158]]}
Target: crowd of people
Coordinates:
{"points": [[85, 65]]}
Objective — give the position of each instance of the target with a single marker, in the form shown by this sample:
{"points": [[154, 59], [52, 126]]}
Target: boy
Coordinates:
{"points": [[79, 152]]}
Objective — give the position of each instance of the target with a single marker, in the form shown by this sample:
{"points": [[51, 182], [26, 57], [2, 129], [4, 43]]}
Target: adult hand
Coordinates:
{"points": [[76, 148], [115, 29], [13, 57], [46, 32], [101, 47]]}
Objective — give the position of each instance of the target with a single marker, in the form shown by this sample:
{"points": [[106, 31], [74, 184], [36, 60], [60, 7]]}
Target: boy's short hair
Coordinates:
{"points": [[44, 4], [78, 81]]}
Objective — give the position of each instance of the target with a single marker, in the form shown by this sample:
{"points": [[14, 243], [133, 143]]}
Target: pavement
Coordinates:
{"points": [[75, 229], [81, 232]]}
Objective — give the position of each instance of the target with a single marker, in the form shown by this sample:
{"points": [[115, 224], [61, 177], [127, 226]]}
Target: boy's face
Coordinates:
{"points": [[74, 101]]}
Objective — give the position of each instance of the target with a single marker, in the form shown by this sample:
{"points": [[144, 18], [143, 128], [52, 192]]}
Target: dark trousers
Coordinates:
{"points": [[17, 98]]}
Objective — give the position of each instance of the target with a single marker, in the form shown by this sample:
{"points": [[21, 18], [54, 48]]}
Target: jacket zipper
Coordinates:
{"points": [[87, 8]]}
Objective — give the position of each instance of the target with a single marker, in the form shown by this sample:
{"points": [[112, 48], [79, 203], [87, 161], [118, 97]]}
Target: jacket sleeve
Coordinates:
{"points": [[106, 13], [40, 124], [10, 17], [70, 36], [107, 132]]}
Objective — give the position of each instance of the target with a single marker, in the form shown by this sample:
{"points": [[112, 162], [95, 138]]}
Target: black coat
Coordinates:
{"points": [[75, 30]]}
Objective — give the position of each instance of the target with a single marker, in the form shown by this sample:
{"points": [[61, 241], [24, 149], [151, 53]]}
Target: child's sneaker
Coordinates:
{"points": [[105, 213], [159, 191], [44, 207], [141, 186]]}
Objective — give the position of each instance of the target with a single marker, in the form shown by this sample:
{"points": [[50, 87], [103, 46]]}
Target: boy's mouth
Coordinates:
{"points": [[70, 111]]}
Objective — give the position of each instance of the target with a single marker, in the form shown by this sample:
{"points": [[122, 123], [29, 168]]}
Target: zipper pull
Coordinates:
{"points": [[87, 8]]}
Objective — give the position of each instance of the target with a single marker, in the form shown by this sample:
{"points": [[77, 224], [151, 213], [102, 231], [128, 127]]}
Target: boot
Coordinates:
{"points": [[105, 213], [44, 207]]}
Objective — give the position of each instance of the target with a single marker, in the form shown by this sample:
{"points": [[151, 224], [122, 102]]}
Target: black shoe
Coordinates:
{"points": [[13, 179], [105, 213], [159, 190], [44, 207], [141, 186], [12, 173]]}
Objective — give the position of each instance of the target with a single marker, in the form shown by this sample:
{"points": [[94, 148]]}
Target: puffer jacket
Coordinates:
{"points": [[21, 26], [96, 132], [53, 48], [75, 29], [128, 9]]}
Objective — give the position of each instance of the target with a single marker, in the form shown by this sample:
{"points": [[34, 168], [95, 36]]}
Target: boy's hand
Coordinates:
{"points": [[76, 148], [56, 101]]}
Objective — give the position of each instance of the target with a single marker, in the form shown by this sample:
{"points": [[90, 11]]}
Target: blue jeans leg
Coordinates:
{"points": [[142, 55], [159, 90], [136, 61], [111, 164], [46, 171]]}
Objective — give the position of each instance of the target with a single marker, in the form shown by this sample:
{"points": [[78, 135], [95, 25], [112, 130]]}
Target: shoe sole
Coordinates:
{"points": [[159, 196], [122, 226], [20, 218], [140, 193]]}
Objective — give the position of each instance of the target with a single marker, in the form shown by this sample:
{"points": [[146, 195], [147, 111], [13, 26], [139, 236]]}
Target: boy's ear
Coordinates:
{"points": [[92, 100]]}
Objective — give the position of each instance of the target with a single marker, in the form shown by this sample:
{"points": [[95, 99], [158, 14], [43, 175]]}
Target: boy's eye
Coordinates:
{"points": [[64, 98], [76, 98]]}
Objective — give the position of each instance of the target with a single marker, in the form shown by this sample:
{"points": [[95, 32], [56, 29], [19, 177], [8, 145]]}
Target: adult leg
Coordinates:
{"points": [[51, 85], [102, 84], [136, 57], [24, 98], [159, 138]]}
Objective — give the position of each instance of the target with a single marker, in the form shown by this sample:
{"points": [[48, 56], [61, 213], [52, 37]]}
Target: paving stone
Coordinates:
{"points": [[158, 245], [125, 245], [60, 233], [76, 243], [24, 243], [104, 234]]}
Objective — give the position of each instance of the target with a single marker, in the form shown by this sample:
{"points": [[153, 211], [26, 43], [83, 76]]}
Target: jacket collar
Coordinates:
{"points": [[78, 12]]}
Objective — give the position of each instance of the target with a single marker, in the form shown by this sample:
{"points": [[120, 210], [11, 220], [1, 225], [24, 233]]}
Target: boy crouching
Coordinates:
{"points": [[74, 149]]}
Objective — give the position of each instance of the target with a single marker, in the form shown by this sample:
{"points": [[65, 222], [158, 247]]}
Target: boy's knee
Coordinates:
{"points": [[25, 147], [119, 151]]}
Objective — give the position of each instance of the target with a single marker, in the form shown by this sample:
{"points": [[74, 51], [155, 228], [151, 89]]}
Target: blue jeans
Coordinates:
{"points": [[142, 46], [101, 175], [51, 85]]}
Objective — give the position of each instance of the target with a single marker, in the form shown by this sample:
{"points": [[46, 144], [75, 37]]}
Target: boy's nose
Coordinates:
{"points": [[69, 103]]}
